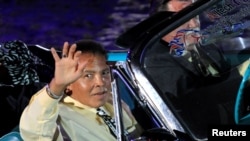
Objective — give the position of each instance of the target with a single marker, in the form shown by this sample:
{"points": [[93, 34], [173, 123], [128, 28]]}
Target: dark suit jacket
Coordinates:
{"points": [[177, 75], [198, 100]]}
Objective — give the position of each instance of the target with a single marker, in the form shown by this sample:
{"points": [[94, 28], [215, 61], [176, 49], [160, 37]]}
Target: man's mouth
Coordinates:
{"points": [[105, 90], [100, 93]]}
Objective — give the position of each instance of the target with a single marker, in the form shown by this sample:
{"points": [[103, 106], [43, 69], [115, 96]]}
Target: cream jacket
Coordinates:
{"points": [[38, 120]]}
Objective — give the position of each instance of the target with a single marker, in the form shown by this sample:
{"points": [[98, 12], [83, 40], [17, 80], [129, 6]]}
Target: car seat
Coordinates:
{"points": [[11, 136]]}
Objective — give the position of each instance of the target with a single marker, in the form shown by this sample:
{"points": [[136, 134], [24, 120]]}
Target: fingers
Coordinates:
{"points": [[65, 49], [72, 50], [77, 54], [81, 67], [66, 52], [54, 54]]}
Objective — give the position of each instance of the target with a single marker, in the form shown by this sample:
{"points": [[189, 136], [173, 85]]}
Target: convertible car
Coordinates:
{"points": [[179, 90], [184, 90]]}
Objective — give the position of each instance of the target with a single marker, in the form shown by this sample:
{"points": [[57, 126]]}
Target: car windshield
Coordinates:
{"points": [[196, 67]]}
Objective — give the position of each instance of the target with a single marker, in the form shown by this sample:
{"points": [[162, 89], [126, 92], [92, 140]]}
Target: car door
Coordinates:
{"points": [[190, 88]]}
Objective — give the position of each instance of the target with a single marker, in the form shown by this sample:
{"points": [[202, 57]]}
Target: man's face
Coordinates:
{"points": [[94, 87], [186, 28], [177, 5]]}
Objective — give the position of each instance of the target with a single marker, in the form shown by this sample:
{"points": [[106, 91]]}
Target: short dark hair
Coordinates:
{"points": [[165, 1], [91, 46]]}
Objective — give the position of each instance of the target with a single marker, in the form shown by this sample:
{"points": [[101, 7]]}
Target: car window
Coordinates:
{"points": [[140, 111], [195, 66]]}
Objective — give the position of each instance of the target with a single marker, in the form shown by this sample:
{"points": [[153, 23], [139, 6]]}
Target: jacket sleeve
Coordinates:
{"points": [[38, 120]]}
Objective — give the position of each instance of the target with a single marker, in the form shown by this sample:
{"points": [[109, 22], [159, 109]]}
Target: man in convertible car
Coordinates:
{"points": [[75, 105]]}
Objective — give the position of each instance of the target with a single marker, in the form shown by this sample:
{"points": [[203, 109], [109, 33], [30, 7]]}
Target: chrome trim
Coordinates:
{"points": [[155, 102], [121, 135]]}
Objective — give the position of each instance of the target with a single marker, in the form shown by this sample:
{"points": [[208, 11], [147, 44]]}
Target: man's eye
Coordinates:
{"points": [[106, 73], [88, 75]]}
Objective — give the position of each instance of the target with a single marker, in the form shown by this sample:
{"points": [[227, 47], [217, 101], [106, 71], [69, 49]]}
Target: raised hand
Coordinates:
{"points": [[67, 69]]}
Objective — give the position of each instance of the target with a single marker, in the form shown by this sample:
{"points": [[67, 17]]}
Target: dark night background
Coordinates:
{"points": [[51, 22]]}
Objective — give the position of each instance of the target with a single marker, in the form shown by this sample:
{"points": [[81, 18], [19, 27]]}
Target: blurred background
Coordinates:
{"points": [[51, 22]]}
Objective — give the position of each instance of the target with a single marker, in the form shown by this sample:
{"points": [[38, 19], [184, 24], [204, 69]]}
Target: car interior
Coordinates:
{"points": [[199, 100]]}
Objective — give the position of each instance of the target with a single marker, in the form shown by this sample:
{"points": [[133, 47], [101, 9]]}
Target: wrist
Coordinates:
{"points": [[51, 94]]}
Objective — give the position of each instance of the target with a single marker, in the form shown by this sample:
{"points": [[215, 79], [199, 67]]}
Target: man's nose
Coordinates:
{"points": [[100, 80]]}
